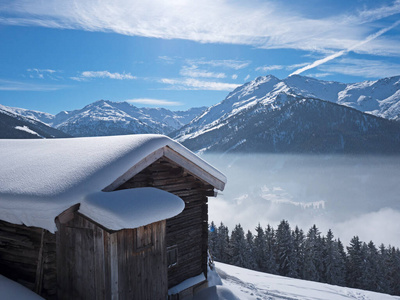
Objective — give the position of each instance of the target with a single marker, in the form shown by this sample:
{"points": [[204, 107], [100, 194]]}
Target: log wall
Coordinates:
{"points": [[28, 256], [96, 264], [188, 230]]}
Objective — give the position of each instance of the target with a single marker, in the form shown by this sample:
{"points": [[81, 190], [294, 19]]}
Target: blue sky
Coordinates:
{"points": [[61, 55]]}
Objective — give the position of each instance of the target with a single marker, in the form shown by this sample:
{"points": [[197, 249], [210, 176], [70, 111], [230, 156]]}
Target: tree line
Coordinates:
{"points": [[310, 256]]}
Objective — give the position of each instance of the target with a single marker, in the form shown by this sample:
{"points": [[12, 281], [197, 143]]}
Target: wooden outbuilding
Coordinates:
{"points": [[121, 217]]}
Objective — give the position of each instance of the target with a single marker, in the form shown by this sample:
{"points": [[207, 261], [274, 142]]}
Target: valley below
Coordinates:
{"points": [[349, 194]]}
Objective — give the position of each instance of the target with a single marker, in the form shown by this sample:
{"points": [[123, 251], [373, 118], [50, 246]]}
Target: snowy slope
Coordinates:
{"points": [[251, 285], [380, 98], [113, 118], [13, 125], [272, 115]]}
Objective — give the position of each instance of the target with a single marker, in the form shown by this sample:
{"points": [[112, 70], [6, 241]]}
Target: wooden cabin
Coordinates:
{"points": [[59, 238]]}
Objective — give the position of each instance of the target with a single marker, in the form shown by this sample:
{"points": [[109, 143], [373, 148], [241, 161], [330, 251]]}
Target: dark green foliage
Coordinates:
{"points": [[314, 257]]}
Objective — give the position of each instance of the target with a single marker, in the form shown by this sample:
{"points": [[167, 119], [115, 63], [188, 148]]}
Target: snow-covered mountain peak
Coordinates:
{"points": [[311, 87], [257, 87], [268, 114], [104, 117]]}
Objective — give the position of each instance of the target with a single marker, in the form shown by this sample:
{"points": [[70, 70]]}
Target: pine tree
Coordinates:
{"points": [[313, 269], [393, 270], [238, 248], [271, 251], [260, 250], [354, 263], [396, 267], [298, 248], [250, 251], [383, 284], [212, 239], [285, 251], [370, 272], [222, 244], [334, 265]]}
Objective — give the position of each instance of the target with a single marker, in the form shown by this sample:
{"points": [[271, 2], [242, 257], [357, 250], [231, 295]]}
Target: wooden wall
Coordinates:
{"points": [[28, 256], [142, 272], [96, 264], [188, 230]]}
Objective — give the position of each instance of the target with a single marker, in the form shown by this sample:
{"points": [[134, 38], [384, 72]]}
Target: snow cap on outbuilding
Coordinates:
{"points": [[39, 179]]}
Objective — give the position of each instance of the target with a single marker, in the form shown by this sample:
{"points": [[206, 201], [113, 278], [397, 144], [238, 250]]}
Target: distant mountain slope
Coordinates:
{"points": [[113, 118], [266, 115], [14, 126], [380, 98]]}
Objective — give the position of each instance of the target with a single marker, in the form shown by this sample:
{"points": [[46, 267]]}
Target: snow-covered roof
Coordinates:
{"points": [[131, 208], [39, 179]]}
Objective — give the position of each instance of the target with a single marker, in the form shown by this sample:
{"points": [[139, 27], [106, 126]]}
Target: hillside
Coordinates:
{"points": [[380, 98], [19, 127], [268, 115]]}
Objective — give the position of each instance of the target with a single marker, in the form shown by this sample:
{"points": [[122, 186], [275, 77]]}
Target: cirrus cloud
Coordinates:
{"points": [[103, 74], [193, 71], [209, 21], [195, 84]]}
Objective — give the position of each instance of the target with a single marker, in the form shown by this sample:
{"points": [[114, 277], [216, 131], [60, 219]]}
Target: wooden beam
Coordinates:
{"points": [[192, 168], [145, 162], [68, 214]]}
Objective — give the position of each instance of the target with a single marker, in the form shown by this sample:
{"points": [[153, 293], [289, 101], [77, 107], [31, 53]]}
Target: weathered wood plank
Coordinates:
{"points": [[24, 255], [186, 229], [68, 214], [145, 162], [193, 169], [113, 243], [39, 268]]}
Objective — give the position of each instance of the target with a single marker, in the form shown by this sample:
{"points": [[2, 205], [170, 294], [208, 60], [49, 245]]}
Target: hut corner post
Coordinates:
{"points": [[113, 257], [39, 268]]}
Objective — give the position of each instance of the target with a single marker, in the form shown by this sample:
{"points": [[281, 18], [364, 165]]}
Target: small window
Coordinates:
{"points": [[172, 256], [144, 238]]}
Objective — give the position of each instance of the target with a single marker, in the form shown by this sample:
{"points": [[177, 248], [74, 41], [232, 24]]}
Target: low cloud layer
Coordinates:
{"points": [[350, 195]]}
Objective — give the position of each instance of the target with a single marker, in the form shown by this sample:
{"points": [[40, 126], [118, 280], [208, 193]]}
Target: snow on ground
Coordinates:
{"points": [[251, 285], [12, 290]]}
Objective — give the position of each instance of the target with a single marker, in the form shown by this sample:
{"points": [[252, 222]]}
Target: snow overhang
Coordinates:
{"points": [[131, 208]]}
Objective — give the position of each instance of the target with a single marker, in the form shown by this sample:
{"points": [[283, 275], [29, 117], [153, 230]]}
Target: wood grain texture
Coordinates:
{"points": [[27, 255], [188, 230]]}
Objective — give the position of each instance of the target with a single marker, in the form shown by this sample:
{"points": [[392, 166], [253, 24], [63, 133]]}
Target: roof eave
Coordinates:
{"points": [[176, 157]]}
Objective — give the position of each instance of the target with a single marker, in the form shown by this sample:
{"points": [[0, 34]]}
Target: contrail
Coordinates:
{"points": [[340, 53]]}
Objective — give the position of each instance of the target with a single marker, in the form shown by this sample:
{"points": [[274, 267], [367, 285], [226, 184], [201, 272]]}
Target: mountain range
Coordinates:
{"points": [[113, 118], [296, 114], [300, 114]]}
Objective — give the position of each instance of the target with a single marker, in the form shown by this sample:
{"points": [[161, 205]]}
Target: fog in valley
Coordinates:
{"points": [[352, 195]]}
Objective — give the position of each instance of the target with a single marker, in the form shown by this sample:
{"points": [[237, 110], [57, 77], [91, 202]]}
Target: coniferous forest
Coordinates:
{"points": [[310, 256]]}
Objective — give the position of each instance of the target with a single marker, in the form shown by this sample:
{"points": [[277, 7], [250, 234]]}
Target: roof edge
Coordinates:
{"points": [[178, 158]]}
